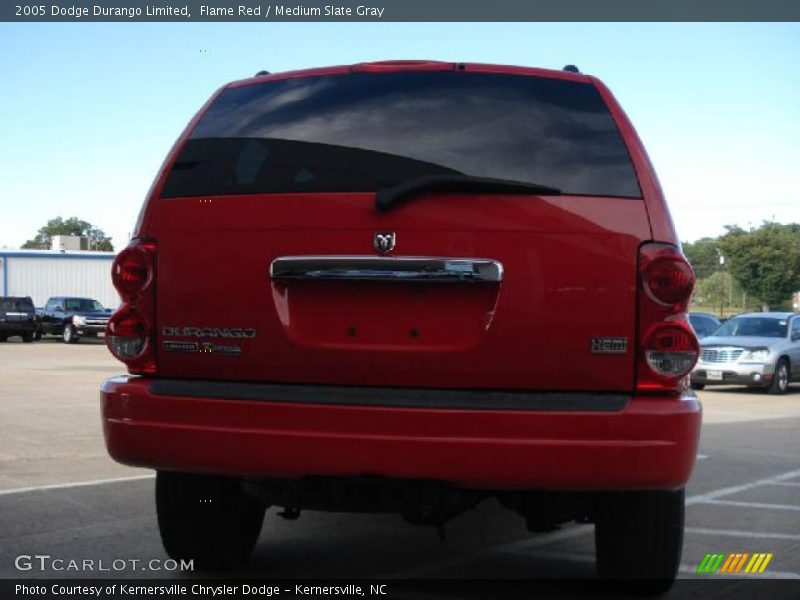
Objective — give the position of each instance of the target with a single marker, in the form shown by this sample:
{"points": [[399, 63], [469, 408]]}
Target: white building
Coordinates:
{"points": [[44, 273]]}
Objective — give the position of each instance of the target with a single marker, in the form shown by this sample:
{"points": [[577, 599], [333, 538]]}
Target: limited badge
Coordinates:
{"points": [[176, 346]]}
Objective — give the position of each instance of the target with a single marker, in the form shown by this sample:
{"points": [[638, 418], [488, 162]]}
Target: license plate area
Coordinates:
{"points": [[714, 375], [385, 315]]}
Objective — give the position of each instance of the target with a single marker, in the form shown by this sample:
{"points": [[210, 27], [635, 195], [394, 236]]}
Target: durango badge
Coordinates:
{"points": [[384, 241], [210, 332]]}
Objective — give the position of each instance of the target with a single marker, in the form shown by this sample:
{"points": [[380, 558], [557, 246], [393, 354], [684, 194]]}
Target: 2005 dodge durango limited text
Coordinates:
{"points": [[420, 285]]}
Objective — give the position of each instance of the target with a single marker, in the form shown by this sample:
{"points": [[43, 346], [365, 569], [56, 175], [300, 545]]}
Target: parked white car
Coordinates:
{"points": [[756, 349]]}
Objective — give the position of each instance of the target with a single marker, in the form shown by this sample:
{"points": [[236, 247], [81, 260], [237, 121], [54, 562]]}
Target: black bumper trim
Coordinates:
{"points": [[394, 397], [8, 327]]}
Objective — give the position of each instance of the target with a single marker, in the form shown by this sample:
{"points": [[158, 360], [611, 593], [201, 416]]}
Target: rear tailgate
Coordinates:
{"points": [[569, 276], [16, 310], [288, 166]]}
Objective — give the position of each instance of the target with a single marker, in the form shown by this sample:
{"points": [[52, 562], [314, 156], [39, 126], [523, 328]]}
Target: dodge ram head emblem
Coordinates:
{"points": [[384, 242]]}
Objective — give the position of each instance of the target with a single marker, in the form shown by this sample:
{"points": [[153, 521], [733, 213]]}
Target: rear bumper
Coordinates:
{"points": [[17, 327], [650, 443]]}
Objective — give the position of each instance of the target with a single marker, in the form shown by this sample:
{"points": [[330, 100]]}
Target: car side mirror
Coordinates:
{"points": [[795, 336], [58, 309]]}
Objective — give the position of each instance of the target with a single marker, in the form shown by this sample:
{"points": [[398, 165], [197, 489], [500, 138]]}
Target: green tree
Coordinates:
{"points": [[720, 293], [765, 261], [98, 240], [703, 255]]}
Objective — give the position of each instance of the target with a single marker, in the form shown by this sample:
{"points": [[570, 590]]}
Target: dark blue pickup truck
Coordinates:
{"points": [[73, 318]]}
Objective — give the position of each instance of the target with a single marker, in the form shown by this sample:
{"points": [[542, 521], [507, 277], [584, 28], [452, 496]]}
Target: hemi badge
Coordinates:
{"points": [[609, 345]]}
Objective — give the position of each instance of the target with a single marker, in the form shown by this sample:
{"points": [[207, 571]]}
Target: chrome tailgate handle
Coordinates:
{"points": [[373, 268]]}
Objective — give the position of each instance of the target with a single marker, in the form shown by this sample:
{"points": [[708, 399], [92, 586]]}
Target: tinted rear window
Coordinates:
{"points": [[366, 131], [16, 304]]}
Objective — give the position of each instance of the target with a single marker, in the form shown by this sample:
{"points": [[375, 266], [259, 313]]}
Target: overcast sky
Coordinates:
{"points": [[89, 110]]}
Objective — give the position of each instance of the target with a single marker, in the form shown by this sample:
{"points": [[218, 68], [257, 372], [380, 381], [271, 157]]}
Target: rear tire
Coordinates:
{"points": [[27, 337], [207, 519], [639, 539], [3, 338], [780, 380]]}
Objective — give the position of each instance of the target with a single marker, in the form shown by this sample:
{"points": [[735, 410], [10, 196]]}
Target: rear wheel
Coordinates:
{"points": [[639, 538], [207, 519], [27, 337], [3, 338], [780, 380]]}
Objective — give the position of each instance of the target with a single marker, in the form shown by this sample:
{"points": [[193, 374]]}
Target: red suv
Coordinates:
{"points": [[408, 286]]}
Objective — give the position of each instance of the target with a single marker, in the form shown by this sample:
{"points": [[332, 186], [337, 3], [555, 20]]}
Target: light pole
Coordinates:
{"points": [[722, 291]]}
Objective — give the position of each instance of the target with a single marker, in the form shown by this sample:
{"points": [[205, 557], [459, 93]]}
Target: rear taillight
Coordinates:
{"points": [[671, 351], [668, 281], [130, 333], [668, 347], [133, 270]]}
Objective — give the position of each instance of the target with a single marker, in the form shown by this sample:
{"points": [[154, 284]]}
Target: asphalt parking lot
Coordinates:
{"points": [[61, 495]]}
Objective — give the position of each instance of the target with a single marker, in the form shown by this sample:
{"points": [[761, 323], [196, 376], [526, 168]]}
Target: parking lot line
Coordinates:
{"points": [[752, 504], [696, 499], [58, 486], [743, 534], [713, 495]]}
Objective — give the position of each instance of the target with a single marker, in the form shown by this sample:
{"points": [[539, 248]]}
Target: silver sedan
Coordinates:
{"points": [[756, 349]]}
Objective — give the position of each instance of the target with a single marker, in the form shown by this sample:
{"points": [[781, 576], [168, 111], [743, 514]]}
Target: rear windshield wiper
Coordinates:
{"points": [[386, 198]]}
